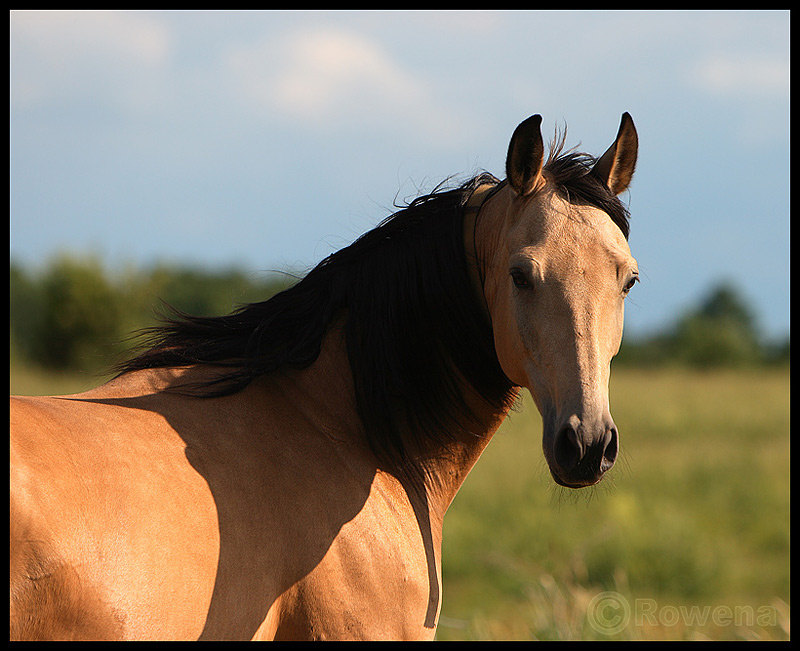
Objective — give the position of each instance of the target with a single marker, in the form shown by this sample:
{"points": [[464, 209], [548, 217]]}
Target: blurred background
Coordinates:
{"points": [[207, 159]]}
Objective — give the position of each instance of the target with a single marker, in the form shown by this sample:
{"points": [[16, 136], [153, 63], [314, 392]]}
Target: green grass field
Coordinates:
{"points": [[688, 535], [687, 538]]}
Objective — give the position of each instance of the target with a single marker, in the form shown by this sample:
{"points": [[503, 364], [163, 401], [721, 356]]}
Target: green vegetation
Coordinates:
{"points": [[692, 521], [720, 332], [75, 315]]}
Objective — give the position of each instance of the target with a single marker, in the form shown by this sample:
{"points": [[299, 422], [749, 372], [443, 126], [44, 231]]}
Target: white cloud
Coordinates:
{"points": [[56, 53], [742, 76], [326, 68], [330, 77]]}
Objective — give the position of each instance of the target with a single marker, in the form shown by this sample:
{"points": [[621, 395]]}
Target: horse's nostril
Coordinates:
{"points": [[610, 451], [567, 449]]}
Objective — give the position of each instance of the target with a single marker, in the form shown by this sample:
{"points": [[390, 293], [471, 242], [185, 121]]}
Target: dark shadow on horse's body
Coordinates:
{"points": [[282, 498]]}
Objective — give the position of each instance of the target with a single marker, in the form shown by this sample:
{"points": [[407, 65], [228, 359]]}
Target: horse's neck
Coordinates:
{"points": [[325, 393], [447, 468]]}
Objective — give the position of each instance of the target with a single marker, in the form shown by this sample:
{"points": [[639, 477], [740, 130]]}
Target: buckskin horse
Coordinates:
{"points": [[282, 472]]}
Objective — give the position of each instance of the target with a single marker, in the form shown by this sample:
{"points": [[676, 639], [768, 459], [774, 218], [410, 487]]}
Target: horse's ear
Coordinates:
{"points": [[615, 167], [525, 156]]}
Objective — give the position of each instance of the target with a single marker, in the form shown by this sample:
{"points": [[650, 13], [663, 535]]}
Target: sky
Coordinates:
{"points": [[267, 140]]}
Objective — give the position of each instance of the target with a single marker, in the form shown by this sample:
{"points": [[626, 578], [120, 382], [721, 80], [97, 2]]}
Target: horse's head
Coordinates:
{"points": [[557, 271]]}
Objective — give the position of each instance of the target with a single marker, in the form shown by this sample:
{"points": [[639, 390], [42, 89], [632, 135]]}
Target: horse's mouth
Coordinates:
{"points": [[575, 485]]}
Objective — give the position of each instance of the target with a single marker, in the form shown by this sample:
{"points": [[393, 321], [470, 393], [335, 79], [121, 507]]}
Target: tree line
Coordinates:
{"points": [[721, 330], [73, 314]]}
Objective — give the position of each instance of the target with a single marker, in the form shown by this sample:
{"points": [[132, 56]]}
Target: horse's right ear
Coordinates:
{"points": [[525, 156]]}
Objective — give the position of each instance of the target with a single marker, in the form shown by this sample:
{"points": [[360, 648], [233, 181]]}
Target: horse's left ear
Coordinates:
{"points": [[615, 167]]}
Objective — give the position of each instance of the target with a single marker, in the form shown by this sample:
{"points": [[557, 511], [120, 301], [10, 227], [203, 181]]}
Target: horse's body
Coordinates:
{"points": [[138, 515], [142, 511]]}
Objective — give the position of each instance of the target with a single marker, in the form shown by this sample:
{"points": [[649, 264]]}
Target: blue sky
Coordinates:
{"points": [[267, 140]]}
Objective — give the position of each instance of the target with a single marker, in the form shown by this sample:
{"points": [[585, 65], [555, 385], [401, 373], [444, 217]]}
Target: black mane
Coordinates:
{"points": [[412, 319], [414, 326]]}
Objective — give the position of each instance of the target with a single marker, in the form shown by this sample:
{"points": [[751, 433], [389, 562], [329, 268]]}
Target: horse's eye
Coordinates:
{"points": [[630, 284], [519, 279]]}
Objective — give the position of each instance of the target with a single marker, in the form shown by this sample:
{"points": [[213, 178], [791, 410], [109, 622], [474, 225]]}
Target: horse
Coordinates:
{"points": [[283, 471]]}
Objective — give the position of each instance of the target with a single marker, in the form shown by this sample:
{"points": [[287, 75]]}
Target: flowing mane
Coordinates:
{"points": [[413, 324], [412, 319]]}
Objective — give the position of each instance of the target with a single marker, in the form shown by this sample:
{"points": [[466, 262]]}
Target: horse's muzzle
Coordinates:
{"points": [[579, 458]]}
